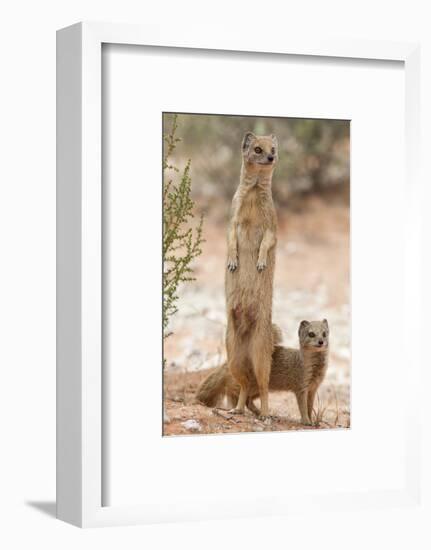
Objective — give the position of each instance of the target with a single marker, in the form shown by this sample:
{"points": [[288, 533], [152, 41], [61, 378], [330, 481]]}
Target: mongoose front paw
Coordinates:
{"points": [[266, 419], [232, 264], [261, 264], [307, 422]]}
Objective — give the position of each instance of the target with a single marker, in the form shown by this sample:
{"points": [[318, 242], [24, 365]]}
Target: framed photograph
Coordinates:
{"points": [[238, 271], [310, 207]]}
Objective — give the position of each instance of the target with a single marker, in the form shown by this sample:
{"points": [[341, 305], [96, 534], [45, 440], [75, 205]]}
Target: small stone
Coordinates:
{"points": [[192, 425]]}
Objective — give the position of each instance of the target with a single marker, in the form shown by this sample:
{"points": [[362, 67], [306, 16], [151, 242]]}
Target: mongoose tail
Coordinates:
{"points": [[214, 386]]}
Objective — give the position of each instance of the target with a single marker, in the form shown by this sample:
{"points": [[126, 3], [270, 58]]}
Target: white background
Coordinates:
{"points": [[27, 299], [140, 84]]}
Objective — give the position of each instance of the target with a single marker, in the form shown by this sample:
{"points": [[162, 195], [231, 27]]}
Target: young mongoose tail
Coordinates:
{"points": [[250, 270], [298, 370]]}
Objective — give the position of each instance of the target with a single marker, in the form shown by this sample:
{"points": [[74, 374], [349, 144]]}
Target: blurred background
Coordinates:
{"points": [[314, 157], [311, 191]]}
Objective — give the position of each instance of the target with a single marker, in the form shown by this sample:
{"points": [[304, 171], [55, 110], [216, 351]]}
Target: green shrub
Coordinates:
{"points": [[181, 241]]}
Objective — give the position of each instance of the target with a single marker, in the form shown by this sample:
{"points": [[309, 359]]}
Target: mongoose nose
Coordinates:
{"points": [[270, 158], [320, 342]]}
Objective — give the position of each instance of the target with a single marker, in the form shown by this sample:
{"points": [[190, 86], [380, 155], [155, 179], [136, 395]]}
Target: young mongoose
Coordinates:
{"points": [[298, 370], [250, 270]]}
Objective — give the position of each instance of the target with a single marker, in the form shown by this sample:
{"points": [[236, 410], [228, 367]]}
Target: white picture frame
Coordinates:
{"points": [[79, 263]]}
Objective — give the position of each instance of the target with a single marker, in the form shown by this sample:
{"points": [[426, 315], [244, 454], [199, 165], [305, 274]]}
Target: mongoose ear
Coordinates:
{"points": [[274, 140], [302, 325], [325, 322], [247, 139]]}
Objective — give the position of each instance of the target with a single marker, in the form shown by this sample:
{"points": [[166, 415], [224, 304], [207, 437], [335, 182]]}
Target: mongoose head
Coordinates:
{"points": [[261, 151], [314, 335]]}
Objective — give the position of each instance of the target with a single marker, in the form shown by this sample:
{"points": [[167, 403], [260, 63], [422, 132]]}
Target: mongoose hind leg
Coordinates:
{"points": [[239, 367], [262, 383], [261, 361], [264, 413], [242, 399]]}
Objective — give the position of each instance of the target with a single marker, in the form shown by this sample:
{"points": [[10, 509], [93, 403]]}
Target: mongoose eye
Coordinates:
{"points": [[258, 150], [311, 335], [324, 334], [272, 150]]}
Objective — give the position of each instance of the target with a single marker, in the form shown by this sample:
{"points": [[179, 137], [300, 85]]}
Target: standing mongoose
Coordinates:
{"points": [[250, 270], [298, 370]]}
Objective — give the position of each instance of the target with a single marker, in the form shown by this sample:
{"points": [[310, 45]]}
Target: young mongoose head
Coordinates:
{"points": [[314, 335], [260, 151]]}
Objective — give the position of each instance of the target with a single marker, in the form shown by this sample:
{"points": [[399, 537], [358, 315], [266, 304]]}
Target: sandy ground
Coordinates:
{"points": [[311, 282], [185, 416]]}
